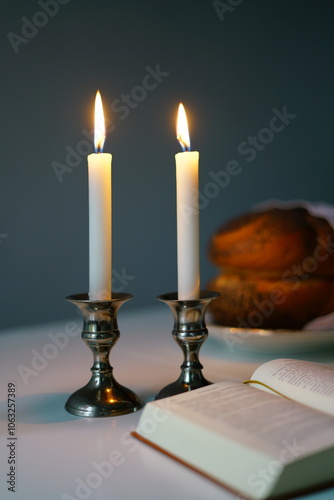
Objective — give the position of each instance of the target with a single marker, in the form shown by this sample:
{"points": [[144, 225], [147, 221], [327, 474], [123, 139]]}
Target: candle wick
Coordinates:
{"points": [[182, 144]]}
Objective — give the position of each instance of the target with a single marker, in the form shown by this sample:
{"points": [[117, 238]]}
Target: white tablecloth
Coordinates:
{"points": [[63, 457]]}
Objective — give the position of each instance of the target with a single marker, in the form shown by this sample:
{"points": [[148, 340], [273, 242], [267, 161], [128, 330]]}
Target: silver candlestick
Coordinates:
{"points": [[102, 396], [189, 332]]}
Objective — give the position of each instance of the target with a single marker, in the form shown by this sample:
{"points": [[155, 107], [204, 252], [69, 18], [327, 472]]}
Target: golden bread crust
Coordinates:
{"points": [[269, 303], [276, 269], [272, 241]]}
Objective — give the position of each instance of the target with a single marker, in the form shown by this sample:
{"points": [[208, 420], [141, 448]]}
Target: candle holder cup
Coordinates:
{"points": [[103, 396], [190, 333]]}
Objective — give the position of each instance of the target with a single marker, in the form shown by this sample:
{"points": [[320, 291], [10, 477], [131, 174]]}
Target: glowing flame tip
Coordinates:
{"points": [[99, 126], [182, 132]]}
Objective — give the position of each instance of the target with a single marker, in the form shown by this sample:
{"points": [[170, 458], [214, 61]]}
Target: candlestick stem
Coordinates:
{"points": [[190, 333], [102, 396]]}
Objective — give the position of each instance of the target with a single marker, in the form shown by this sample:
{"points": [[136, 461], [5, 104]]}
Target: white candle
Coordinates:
{"points": [[187, 213], [99, 182]]}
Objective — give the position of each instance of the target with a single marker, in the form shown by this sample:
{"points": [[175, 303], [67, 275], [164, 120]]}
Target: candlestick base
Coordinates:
{"points": [[190, 333], [103, 396]]}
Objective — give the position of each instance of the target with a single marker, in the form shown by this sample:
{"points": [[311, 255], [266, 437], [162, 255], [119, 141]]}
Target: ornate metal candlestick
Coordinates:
{"points": [[102, 396], [189, 332]]}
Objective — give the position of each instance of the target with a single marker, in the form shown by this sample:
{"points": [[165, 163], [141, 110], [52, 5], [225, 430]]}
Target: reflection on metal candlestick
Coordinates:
{"points": [[102, 396], [189, 332]]}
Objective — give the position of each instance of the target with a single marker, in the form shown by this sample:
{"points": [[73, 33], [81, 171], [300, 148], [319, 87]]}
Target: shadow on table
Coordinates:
{"points": [[48, 408], [40, 409]]}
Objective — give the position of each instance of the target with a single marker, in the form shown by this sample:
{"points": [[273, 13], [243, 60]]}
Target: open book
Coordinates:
{"points": [[253, 441]]}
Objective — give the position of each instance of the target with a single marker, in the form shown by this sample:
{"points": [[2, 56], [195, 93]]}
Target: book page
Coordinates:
{"points": [[248, 415], [308, 383], [240, 436]]}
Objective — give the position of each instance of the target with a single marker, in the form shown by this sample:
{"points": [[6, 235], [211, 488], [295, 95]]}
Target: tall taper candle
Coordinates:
{"points": [[100, 223], [187, 214]]}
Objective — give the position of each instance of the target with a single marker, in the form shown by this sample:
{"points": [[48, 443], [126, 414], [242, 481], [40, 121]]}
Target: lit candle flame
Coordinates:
{"points": [[99, 126], [182, 132]]}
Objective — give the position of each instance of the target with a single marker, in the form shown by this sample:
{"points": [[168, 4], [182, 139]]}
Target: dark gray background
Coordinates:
{"points": [[230, 69]]}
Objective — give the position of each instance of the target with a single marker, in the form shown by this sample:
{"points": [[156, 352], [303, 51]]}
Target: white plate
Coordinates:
{"points": [[320, 338], [271, 341]]}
